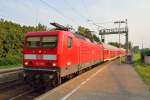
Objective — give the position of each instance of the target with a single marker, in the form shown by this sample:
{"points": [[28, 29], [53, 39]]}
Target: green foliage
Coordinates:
{"points": [[96, 38], [144, 72], [142, 69], [146, 51], [11, 66], [116, 44], [11, 35], [87, 33], [135, 49], [40, 27]]}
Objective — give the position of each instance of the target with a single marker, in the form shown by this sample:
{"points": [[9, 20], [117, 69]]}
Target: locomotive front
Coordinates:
{"points": [[40, 58]]}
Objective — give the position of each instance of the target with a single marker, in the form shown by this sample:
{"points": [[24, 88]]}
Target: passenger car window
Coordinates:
{"points": [[69, 42]]}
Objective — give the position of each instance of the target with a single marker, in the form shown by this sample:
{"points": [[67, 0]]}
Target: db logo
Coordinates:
{"points": [[39, 56]]}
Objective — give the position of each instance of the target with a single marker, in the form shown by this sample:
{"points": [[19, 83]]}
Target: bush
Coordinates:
{"points": [[11, 35], [144, 52], [10, 61]]}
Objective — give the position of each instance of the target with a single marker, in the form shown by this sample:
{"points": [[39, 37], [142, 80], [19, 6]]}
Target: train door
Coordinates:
{"points": [[69, 51], [103, 53], [79, 58]]}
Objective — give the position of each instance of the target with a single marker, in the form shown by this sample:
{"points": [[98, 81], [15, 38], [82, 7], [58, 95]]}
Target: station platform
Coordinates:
{"points": [[109, 81]]}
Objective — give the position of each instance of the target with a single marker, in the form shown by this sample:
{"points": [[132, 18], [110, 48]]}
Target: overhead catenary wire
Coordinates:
{"points": [[58, 11], [90, 19], [75, 10], [78, 13], [107, 22], [86, 10], [16, 17], [62, 14], [72, 8], [35, 10]]}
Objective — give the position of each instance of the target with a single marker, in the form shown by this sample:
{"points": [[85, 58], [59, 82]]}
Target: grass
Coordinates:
{"points": [[142, 69], [10, 66]]}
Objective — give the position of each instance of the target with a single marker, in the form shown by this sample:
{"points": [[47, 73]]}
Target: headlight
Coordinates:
{"points": [[26, 63], [51, 76], [54, 64]]}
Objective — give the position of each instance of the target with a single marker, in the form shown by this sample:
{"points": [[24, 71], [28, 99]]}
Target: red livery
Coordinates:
{"points": [[52, 55]]}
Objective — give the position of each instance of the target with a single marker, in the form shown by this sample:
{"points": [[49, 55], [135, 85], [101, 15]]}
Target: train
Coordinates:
{"points": [[50, 56]]}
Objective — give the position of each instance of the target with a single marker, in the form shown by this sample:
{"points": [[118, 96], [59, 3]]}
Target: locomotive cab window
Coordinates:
{"points": [[44, 41], [33, 42], [69, 42], [49, 42]]}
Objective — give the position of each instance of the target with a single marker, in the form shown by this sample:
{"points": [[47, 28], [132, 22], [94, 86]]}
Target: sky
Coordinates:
{"points": [[84, 13]]}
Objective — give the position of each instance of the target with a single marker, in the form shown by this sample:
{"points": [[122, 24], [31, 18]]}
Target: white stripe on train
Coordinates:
{"points": [[44, 57]]}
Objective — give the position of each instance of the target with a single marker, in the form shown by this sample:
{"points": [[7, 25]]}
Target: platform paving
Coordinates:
{"points": [[111, 81]]}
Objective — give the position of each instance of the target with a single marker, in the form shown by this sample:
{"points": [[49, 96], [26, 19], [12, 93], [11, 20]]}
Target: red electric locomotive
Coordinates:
{"points": [[52, 55]]}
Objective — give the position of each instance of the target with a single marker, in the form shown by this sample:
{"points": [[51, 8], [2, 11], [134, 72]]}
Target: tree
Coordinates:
{"points": [[11, 35], [96, 38], [40, 27], [116, 44], [135, 49], [87, 33]]}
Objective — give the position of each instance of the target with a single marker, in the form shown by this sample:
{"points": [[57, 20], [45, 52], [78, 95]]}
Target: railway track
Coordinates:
{"points": [[16, 89], [2, 71], [19, 90], [27, 95], [9, 75], [30, 93], [12, 87]]}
